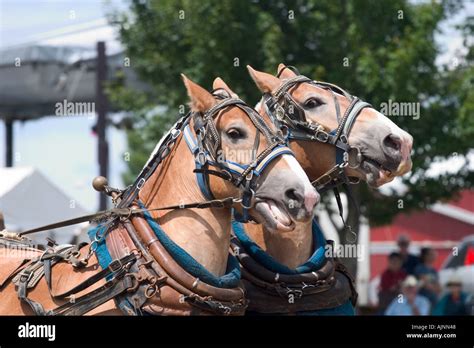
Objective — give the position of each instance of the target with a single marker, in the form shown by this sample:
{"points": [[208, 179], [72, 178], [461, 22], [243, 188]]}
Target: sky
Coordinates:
{"points": [[64, 149]]}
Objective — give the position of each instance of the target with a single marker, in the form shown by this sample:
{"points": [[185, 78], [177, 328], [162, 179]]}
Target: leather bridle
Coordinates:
{"points": [[287, 114], [204, 146], [205, 143]]}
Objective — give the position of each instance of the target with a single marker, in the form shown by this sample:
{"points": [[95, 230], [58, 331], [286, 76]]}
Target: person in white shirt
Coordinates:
{"points": [[409, 302]]}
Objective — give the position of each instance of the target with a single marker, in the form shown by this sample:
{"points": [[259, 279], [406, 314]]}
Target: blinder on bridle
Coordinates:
{"points": [[206, 148], [287, 114]]}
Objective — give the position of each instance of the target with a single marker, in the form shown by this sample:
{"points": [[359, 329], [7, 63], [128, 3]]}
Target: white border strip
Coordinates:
{"points": [[454, 212], [389, 246]]}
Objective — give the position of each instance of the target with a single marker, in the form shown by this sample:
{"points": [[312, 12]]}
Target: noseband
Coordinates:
{"points": [[205, 148], [285, 112]]}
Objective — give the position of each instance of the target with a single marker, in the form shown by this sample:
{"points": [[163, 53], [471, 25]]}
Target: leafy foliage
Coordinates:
{"points": [[389, 46]]}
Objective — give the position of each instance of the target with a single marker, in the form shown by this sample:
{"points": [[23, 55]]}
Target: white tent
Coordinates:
{"points": [[28, 199]]}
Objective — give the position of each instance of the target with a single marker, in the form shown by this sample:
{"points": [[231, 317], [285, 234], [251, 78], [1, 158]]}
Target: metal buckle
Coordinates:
{"points": [[249, 176], [25, 276], [115, 266], [280, 112], [252, 194], [201, 157], [323, 180], [175, 133], [321, 135], [141, 183], [345, 157]]}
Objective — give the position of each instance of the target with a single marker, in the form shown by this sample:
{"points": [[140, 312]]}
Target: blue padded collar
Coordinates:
{"points": [[229, 280], [315, 262]]}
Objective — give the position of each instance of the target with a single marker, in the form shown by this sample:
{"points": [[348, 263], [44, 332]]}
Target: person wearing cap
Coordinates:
{"points": [[455, 302], [410, 261], [409, 302]]}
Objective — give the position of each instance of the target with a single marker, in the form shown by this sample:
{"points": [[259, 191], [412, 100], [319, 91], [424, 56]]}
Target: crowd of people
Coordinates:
{"points": [[410, 285]]}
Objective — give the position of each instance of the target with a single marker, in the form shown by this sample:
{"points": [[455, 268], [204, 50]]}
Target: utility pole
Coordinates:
{"points": [[8, 141], [101, 107]]}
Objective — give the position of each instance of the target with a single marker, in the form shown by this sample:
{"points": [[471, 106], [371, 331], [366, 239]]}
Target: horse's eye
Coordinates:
{"points": [[312, 103], [235, 134]]}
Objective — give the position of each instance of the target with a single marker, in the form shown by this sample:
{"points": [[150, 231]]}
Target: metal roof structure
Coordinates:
{"points": [[34, 78]]}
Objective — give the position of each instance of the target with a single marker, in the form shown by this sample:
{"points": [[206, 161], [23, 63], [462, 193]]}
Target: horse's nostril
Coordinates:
{"points": [[291, 194], [393, 142]]}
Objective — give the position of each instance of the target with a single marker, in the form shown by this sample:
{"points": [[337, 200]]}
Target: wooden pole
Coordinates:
{"points": [[101, 107], [2, 222], [8, 142]]}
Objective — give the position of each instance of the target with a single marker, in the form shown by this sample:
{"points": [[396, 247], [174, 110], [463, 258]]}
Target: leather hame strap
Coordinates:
{"points": [[87, 302]]}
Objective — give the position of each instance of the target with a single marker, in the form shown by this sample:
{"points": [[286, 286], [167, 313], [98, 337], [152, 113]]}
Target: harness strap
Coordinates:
{"points": [[22, 293], [94, 299], [116, 268], [287, 84], [126, 212], [160, 152]]}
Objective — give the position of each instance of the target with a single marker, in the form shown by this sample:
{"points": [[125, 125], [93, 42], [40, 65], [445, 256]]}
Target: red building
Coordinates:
{"points": [[441, 227]]}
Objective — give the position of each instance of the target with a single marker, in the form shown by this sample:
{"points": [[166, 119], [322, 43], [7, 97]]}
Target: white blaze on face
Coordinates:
{"points": [[406, 139], [311, 196]]}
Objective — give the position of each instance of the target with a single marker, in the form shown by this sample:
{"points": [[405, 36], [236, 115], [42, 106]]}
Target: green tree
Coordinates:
{"points": [[378, 50]]}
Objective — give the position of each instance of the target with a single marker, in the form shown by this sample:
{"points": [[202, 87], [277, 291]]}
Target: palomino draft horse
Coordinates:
{"points": [[156, 252], [338, 139]]}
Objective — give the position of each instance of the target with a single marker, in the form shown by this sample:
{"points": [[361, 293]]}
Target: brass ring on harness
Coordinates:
{"points": [[151, 290]]}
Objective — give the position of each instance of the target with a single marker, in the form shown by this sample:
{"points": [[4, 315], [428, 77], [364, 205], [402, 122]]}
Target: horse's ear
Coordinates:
{"points": [[220, 84], [284, 72], [201, 100], [265, 82]]}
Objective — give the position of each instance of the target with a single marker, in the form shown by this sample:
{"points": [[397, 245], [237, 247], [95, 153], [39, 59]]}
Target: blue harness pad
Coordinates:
{"points": [[101, 252], [229, 280], [315, 262]]}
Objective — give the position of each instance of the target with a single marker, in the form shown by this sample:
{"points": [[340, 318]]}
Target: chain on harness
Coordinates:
{"points": [[287, 114]]}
